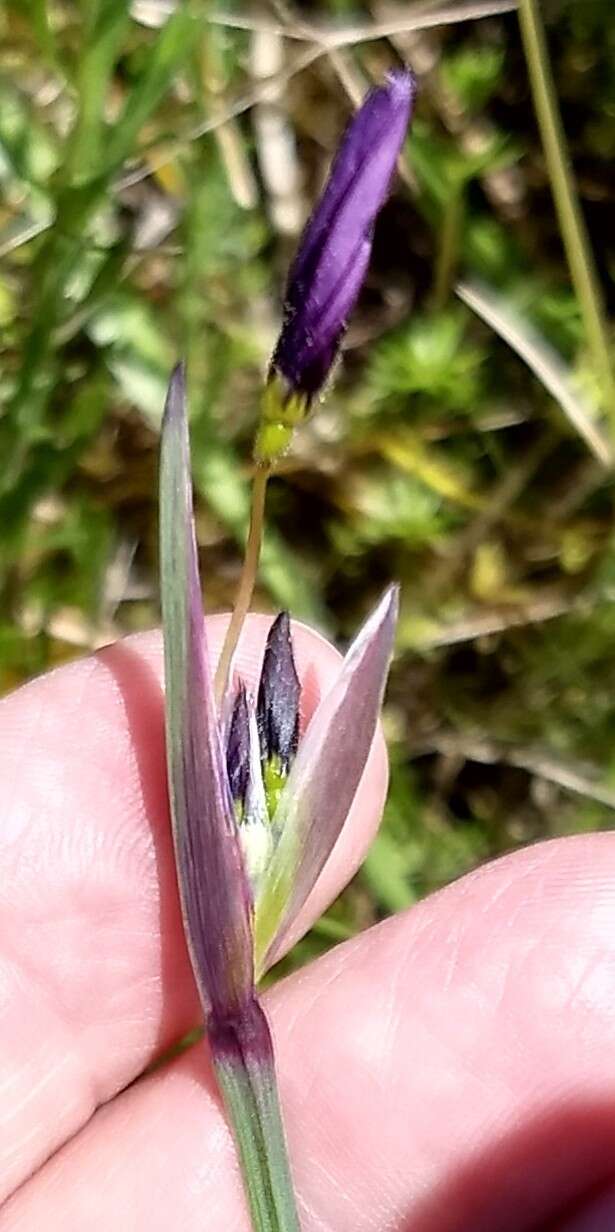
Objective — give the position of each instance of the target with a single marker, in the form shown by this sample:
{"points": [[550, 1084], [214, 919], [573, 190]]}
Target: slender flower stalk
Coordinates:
{"points": [[248, 577], [256, 808], [321, 291]]}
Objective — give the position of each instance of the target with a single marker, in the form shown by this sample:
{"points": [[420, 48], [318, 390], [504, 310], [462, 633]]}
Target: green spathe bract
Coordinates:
{"points": [[236, 925]]}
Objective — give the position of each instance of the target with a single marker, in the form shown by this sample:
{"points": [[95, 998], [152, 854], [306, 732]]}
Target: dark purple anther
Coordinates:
{"points": [[326, 275], [238, 747], [277, 708]]}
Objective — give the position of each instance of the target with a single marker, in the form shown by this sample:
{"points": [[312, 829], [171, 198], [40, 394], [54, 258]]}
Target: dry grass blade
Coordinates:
{"points": [[583, 780], [21, 232], [266, 91], [541, 358], [344, 36], [322, 42]]}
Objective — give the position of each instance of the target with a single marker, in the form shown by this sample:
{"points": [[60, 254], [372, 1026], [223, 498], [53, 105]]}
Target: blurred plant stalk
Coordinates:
{"points": [[574, 231]]}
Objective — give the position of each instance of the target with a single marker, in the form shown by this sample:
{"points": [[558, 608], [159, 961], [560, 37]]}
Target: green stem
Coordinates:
{"points": [[247, 580], [574, 231], [448, 251], [243, 1059]]}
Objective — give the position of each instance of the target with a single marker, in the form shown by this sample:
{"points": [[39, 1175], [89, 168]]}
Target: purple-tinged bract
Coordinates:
{"points": [[214, 888], [326, 275], [256, 813]]}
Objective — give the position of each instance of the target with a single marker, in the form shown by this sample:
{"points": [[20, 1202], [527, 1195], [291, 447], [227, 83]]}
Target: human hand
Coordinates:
{"points": [[451, 1069]]}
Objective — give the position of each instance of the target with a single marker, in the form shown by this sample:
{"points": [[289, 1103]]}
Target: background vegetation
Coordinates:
{"points": [[154, 184]]}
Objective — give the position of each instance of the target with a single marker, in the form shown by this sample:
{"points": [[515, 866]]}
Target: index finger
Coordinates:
{"points": [[94, 977], [450, 1070]]}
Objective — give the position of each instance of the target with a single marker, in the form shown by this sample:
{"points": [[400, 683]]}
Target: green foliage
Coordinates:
{"points": [[473, 73], [430, 356], [389, 507], [438, 458], [409, 860]]}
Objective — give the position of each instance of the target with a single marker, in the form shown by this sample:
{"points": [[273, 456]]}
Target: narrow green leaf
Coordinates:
{"points": [[173, 45], [106, 29], [542, 360], [43, 29]]}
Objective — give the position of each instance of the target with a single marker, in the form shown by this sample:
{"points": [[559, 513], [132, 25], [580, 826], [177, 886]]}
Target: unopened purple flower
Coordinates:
{"points": [[277, 711], [326, 275], [238, 749], [256, 812]]}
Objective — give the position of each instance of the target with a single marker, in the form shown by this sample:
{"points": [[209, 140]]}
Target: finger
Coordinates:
{"points": [[595, 1215], [452, 1070], [94, 979]]}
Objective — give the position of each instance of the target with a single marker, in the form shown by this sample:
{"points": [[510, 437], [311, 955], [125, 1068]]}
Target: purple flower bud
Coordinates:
{"points": [[328, 270], [278, 696], [238, 747]]}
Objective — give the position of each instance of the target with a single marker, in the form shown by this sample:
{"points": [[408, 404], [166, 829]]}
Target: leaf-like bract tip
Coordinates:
{"points": [[213, 885], [323, 780]]}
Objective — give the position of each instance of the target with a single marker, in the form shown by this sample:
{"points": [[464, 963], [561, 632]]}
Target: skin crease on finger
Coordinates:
{"points": [[94, 977], [451, 1070]]}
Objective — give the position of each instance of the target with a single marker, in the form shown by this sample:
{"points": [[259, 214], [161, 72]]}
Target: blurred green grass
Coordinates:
{"points": [[151, 198]]}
